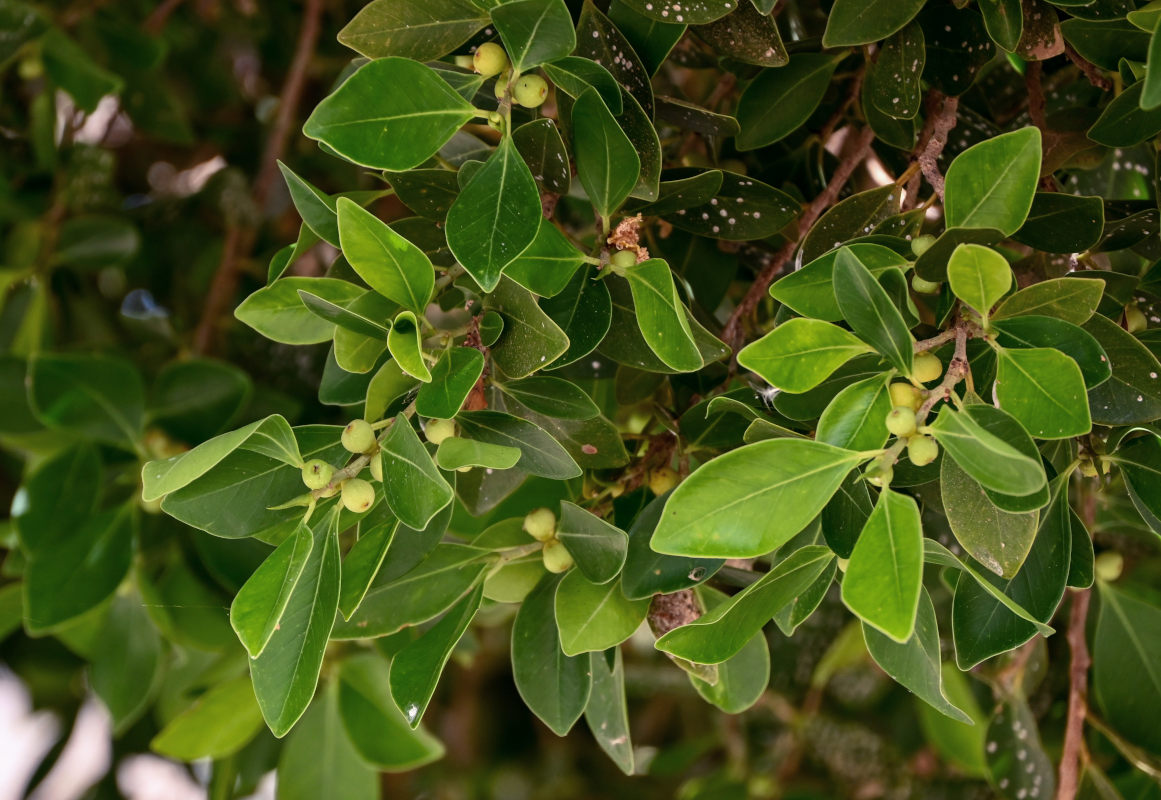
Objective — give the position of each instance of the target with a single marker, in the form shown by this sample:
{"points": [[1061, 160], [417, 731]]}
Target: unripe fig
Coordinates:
{"points": [[924, 286], [531, 91], [921, 244], [490, 59], [661, 480], [904, 394], [1109, 565], [540, 524], [376, 466], [901, 420], [926, 367], [622, 260], [922, 450], [1135, 319], [317, 473], [500, 89], [437, 430], [879, 474], [467, 62], [358, 436], [556, 557], [358, 495]]}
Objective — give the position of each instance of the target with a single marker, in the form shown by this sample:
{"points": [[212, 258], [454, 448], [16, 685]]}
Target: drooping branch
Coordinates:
{"points": [[1070, 759], [856, 153], [239, 241]]}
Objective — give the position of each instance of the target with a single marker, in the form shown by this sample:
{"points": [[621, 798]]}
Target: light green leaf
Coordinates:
{"points": [[260, 603], [594, 617], [541, 454], [597, 547], [376, 727], [1070, 299], [998, 539], [661, 315], [741, 678], [452, 379], [348, 320], [995, 464], [454, 453], [871, 312], [979, 276], [1044, 390], [992, 184], [810, 289], [217, 724], [404, 343], [316, 207], [390, 264], [277, 312], [548, 264], [800, 353], [854, 419]]}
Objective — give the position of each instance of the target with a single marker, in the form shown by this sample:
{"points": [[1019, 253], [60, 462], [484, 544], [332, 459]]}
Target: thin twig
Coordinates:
{"points": [[956, 371], [929, 146], [1077, 697], [938, 340], [860, 147], [239, 241], [1089, 69], [944, 121], [1032, 74]]}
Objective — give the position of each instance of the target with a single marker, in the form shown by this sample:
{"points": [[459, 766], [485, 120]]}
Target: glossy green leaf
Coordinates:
{"points": [[661, 315], [316, 208], [1030, 331], [416, 668], [540, 453], [810, 290], [854, 419], [554, 686], [543, 150], [495, 217], [1062, 223], [932, 265], [597, 547], [979, 276], [723, 509], [997, 539], [101, 397], [377, 728], [534, 31], [992, 184], [346, 320], [583, 310], [217, 724], [743, 677], [575, 75], [455, 453], [390, 264], [647, 572], [800, 353], [260, 603], [850, 218], [607, 163], [1070, 299], [1140, 464], [744, 209], [1127, 665], [1043, 389], [363, 561], [1124, 122], [452, 379], [530, 340], [1133, 394], [552, 396], [406, 347], [855, 22], [1004, 20], [548, 264], [885, 574], [871, 312], [992, 462], [779, 101], [607, 713], [320, 759], [414, 488], [720, 633], [594, 617], [420, 30], [277, 311]]}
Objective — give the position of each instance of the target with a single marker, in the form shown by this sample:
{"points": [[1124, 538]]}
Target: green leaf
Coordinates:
{"points": [[722, 632], [262, 600], [915, 664], [855, 22], [741, 678], [607, 713], [271, 437], [100, 397], [1151, 91], [414, 488], [957, 742], [574, 75], [661, 315], [1140, 464], [1124, 122], [406, 347], [779, 101], [594, 617], [850, 218], [1062, 223], [534, 31], [531, 340], [70, 67], [364, 559], [197, 398], [540, 453], [979, 276], [44, 516], [83, 568], [746, 34], [454, 453], [392, 113], [885, 575], [691, 12], [423, 30], [743, 209], [723, 509], [126, 660], [347, 320], [554, 686], [548, 264], [1078, 344], [552, 396], [607, 163], [992, 184], [647, 572], [1043, 389], [583, 311], [286, 673], [495, 217], [1127, 665], [810, 290], [932, 265], [428, 192], [216, 725], [871, 312], [376, 727], [854, 419], [452, 379], [1132, 395], [316, 208], [995, 464], [1004, 20], [319, 758], [800, 353], [1017, 760], [597, 547], [1070, 299], [277, 311], [390, 264], [416, 668]]}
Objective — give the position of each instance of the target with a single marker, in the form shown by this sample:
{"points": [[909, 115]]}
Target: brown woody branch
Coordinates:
{"points": [[240, 241], [1036, 103], [957, 370], [1070, 759], [1089, 69], [859, 147]]}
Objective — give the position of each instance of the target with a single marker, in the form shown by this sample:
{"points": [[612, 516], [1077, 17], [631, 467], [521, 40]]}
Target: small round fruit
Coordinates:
{"points": [[926, 367], [623, 259], [1135, 319], [556, 557], [500, 89], [531, 91], [1109, 565], [358, 495], [922, 450], [661, 480], [904, 394], [901, 421], [358, 436], [439, 429], [921, 244], [317, 473], [467, 62], [540, 524], [376, 466], [924, 286], [490, 59], [879, 475]]}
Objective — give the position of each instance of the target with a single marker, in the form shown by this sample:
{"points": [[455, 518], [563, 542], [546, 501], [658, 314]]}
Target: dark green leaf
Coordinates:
{"points": [[534, 31], [416, 29], [855, 22], [871, 313], [780, 100], [452, 378], [414, 488]]}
